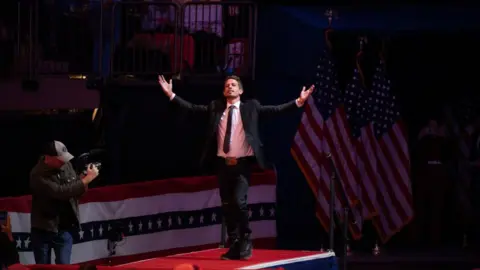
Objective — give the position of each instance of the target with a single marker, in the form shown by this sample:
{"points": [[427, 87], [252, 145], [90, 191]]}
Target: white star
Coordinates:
{"points": [[272, 212], [140, 226], [159, 223], [201, 219], [149, 225], [109, 227], [190, 220], [80, 234], [261, 211], [214, 217], [91, 231], [179, 220], [100, 230], [19, 243], [27, 242], [130, 227], [250, 213], [169, 221]]}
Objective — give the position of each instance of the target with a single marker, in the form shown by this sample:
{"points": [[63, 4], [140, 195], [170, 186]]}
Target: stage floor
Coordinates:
{"points": [[261, 259]]}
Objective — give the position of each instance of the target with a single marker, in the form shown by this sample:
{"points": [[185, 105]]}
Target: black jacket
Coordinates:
{"points": [[249, 110], [54, 193]]}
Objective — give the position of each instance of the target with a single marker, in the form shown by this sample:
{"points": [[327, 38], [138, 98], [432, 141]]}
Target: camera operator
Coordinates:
{"points": [[56, 188]]}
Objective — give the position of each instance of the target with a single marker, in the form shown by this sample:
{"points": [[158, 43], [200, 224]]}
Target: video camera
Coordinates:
{"points": [[94, 156]]}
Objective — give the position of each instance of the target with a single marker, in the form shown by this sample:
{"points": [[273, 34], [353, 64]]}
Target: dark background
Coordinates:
{"points": [[430, 60]]}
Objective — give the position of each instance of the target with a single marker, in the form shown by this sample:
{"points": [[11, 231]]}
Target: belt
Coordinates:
{"points": [[232, 161]]}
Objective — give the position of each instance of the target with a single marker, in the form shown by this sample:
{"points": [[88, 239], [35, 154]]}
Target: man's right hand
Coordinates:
{"points": [[166, 86], [92, 173]]}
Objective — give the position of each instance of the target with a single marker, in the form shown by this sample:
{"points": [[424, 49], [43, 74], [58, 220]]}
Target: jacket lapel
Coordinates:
{"points": [[244, 115], [219, 109]]}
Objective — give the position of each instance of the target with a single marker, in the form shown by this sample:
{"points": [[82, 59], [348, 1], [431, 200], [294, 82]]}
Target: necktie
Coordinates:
{"points": [[228, 132]]}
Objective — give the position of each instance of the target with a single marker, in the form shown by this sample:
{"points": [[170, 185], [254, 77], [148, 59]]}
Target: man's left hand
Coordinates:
{"points": [[305, 94]]}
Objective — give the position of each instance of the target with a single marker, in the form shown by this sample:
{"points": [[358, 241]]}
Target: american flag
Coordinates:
{"points": [[393, 159], [324, 129], [158, 218], [358, 106]]}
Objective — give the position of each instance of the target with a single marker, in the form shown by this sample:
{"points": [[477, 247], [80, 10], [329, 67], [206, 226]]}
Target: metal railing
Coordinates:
{"points": [[194, 38], [146, 38], [220, 36], [135, 38]]}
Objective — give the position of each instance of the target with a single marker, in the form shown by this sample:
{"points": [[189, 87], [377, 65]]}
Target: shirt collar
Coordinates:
{"points": [[236, 104]]}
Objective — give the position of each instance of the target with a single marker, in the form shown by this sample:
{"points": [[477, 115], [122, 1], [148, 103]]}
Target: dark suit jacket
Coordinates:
{"points": [[54, 193], [249, 110]]}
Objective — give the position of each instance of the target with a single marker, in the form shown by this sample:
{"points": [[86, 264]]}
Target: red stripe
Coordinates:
{"points": [[138, 190], [322, 214], [323, 132], [376, 178]]}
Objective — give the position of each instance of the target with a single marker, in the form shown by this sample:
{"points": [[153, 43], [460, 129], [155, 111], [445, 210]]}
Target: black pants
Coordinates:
{"points": [[8, 251], [233, 183]]}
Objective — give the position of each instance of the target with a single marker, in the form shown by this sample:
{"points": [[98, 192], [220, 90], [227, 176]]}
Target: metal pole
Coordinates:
{"points": [[345, 237], [222, 234], [19, 30], [30, 42], [100, 42], [332, 210]]}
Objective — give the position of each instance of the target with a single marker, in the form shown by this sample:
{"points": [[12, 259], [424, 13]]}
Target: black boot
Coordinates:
{"points": [[233, 252], [246, 247]]}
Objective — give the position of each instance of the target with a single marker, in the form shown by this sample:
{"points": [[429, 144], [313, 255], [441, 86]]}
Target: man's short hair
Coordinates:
{"points": [[236, 78]]}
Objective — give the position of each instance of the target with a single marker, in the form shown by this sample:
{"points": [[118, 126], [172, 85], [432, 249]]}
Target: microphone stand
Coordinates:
{"points": [[335, 182], [223, 232]]}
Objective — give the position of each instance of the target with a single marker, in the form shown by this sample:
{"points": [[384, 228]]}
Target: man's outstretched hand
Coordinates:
{"points": [[166, 86], [305, 94]]}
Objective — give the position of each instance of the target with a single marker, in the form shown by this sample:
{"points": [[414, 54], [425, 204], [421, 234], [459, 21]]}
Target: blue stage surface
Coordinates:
{"points": [[320, 261]]}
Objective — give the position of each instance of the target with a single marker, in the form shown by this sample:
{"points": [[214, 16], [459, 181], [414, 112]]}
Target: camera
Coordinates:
{"points": [[93, 157]]}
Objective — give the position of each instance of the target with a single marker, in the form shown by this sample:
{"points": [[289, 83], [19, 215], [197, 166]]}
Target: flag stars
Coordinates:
{"points": [[27, 242], [140, 225], [159, 223], [130, 227], [149, 225]]}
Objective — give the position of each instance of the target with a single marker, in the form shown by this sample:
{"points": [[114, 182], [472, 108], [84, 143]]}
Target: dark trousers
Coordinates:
{"points": [[8, 251], [234, 181], [430, 196], [475, 195], [44, 241]]}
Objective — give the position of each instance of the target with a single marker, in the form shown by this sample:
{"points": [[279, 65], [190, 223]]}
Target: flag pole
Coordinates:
{"points": [[335, 181], [331, 230], [332, 209]]}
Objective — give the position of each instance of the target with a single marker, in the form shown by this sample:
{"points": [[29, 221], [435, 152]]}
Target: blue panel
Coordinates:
{"points": [[392, 18]]}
